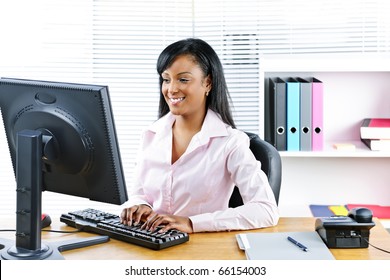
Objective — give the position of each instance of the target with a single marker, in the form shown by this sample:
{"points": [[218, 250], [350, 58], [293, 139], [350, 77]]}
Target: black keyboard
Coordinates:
{"points": [[96, 221]]}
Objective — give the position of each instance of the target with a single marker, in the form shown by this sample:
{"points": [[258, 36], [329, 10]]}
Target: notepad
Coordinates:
{"points": [[275, 246]]}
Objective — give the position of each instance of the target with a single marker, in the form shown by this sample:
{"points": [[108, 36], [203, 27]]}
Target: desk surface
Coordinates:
{"points": [[207, 246]]}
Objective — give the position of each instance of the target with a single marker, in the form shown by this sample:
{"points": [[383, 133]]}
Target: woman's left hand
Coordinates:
{"points": [[168, 222]]}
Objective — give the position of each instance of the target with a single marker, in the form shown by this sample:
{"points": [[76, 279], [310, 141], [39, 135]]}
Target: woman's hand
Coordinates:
{"points": [[168, 222], [135, 214]]}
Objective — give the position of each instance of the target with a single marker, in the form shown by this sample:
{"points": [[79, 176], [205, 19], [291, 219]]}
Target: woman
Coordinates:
{"points": [[192, 156]]}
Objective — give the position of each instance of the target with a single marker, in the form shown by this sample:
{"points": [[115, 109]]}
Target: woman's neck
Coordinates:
{"points": [[192, 124], [182, 132]]}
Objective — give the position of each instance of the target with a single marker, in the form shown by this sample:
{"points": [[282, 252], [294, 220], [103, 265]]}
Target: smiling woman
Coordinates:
{"points": [[193, 156], [116, 43]]}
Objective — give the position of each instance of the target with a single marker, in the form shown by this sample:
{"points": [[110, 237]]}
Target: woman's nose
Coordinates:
{"points": [[173, 87]]}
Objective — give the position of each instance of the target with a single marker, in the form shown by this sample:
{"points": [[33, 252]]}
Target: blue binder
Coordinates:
{"points": [[293, 114]]}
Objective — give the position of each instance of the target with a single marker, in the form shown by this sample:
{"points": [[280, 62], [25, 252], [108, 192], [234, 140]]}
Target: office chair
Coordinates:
{"points": [[271, 164]]}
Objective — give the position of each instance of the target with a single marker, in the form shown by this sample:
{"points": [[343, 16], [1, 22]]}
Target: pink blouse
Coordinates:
{"points": [[199, 184]]}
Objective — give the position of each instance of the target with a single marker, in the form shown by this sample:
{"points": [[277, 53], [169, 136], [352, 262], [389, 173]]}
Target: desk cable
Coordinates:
{"points": [[380, 249], [47, 230], [78, 229]]}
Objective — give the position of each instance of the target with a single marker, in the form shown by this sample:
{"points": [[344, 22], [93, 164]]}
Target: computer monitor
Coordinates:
{"points": [[62, 139]]}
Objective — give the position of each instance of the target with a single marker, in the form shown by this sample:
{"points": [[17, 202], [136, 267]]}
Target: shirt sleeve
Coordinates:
{"points": [[259, 209]]}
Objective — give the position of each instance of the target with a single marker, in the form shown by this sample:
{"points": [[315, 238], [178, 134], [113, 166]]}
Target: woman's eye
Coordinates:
{"points": [[184, 80], [165, 81]]}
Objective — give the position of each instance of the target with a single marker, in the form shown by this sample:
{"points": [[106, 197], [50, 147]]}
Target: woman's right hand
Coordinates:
{"points": [[135, 214]]}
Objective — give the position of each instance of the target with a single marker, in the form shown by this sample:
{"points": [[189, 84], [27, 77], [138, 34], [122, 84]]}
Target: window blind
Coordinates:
{"points": [[116, 43]]}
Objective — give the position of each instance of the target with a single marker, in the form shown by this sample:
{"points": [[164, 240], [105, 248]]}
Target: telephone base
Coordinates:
{"points": [[343, 232]]}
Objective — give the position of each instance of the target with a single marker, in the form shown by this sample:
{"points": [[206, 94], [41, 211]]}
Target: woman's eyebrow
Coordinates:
{"points": [[186, 72], [181, 73]]}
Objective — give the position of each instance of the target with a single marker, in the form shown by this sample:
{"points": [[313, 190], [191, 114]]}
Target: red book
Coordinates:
{"points": [[375, 128]]}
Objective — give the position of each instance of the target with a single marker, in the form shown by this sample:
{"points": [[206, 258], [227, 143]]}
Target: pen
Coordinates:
{"points": [[303, 247]]}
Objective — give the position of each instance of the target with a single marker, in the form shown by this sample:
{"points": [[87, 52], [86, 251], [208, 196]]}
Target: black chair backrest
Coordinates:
{"points": [[271, 164]]}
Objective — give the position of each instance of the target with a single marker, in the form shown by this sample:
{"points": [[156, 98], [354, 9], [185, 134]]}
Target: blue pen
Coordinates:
{"points": [[301, 246]]}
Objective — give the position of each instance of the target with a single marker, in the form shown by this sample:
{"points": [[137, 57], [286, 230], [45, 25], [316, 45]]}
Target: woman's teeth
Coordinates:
{"points": [[176, 100]]}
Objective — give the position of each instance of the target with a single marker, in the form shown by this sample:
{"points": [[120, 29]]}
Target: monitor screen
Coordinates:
{"points": [[77, 149]]}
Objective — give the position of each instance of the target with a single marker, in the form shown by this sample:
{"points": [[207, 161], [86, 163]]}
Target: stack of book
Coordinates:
{"points": [[375, 133], [294, 113]]}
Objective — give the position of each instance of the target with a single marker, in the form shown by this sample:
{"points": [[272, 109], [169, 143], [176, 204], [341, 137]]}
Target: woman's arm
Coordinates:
{"points": [[259, 209]]}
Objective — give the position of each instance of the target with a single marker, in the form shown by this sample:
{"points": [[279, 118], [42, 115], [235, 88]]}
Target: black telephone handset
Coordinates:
{"points": [[361, 215], [350, 231]]}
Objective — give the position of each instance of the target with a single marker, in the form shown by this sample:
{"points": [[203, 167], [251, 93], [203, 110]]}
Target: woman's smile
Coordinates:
{"points": [[176, 100]]}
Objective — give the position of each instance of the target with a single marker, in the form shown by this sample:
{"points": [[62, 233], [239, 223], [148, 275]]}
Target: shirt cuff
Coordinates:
{"points": [[203, 222]]}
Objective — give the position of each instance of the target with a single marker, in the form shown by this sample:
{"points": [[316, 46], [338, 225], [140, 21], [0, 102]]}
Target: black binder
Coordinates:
{"points": [[275, 119]]}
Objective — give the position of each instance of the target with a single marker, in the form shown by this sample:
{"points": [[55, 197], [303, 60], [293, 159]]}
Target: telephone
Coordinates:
{"points": [[350, 231]]}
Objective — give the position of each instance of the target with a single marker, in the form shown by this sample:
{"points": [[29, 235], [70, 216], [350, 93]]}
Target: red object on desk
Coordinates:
{"points": [[381, 212]]}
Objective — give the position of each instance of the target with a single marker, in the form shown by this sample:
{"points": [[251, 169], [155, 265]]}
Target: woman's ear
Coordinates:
{"points": [[207, 82]]}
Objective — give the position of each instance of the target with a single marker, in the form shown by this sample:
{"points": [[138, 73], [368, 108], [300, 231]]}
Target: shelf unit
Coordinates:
{"points": [[355, 87]]}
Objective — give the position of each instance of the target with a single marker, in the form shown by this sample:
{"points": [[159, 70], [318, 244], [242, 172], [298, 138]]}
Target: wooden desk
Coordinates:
{"points": [[208, 246]]}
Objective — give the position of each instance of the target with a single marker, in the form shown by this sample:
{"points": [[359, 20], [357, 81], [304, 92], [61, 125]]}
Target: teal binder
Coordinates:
{"points": [[293, 114]]}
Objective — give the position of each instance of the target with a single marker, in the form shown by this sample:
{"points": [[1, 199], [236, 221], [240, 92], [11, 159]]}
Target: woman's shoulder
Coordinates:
{"points": [[236, 137]]}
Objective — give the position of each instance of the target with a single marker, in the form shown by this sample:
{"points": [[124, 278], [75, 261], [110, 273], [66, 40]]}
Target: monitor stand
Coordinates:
{"points": [[28, 245]]}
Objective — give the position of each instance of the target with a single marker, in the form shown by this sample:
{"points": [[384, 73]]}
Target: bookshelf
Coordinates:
{"points": [[355, 87]]}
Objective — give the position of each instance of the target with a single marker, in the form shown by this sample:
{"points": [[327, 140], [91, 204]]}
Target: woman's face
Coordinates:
{"points": [[185, 88]]}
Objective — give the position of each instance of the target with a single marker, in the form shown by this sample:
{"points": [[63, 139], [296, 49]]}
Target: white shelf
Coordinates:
{"points": [[355, 87], [329, 151]]}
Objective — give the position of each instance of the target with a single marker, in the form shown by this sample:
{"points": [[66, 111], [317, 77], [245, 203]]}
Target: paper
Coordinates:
{"points": [[275, 246]]}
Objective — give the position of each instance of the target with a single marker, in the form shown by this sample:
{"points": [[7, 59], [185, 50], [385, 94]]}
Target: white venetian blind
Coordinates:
{"points": [[108, 42], [231, 27], [243, 32], [127, 39], [116, 43]]}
